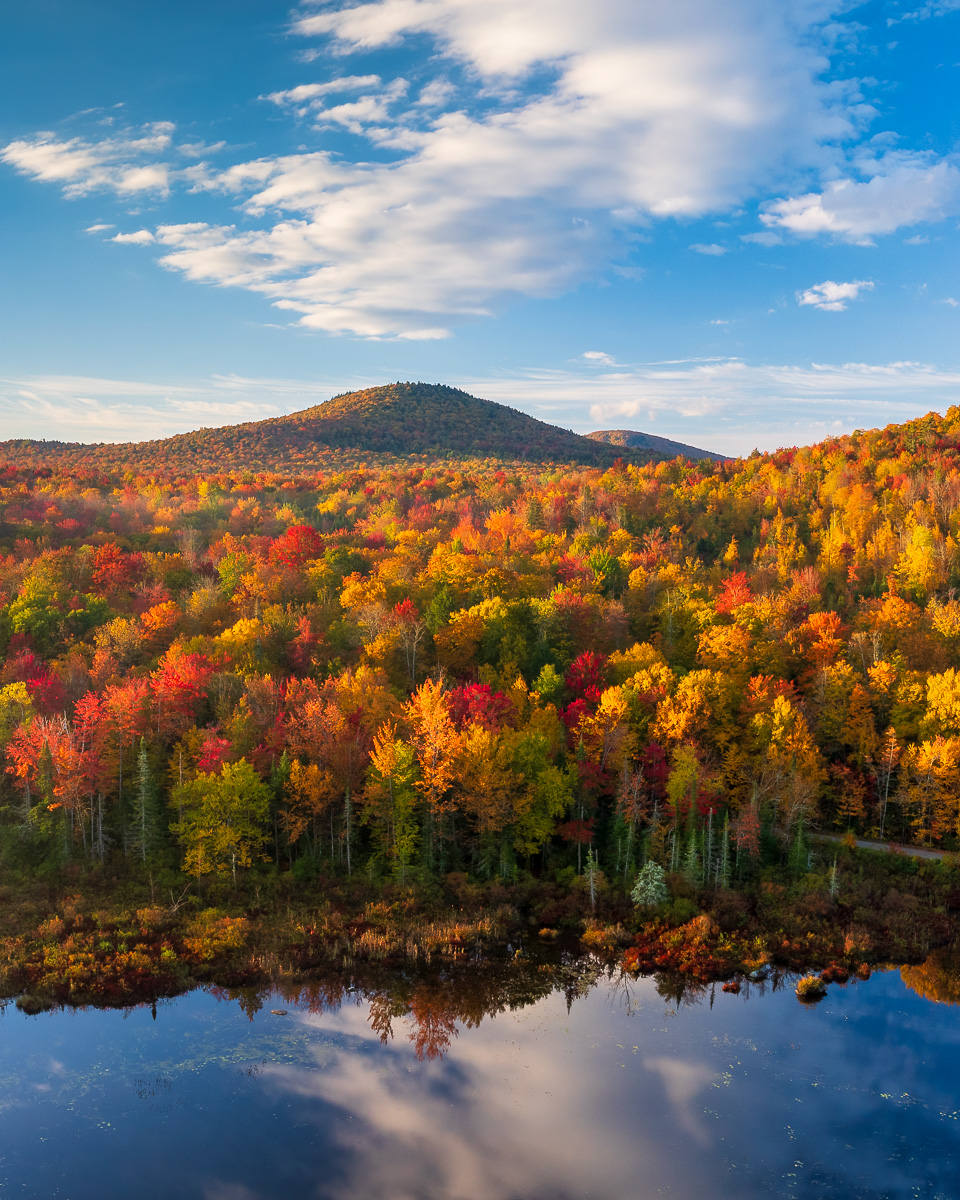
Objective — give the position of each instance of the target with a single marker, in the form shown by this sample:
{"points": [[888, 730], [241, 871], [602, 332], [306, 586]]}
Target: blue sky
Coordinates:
{"points": [[734, 224]]}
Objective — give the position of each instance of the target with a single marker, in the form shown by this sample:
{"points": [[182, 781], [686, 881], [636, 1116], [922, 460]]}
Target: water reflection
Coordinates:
{"points": [[538, 1080]]}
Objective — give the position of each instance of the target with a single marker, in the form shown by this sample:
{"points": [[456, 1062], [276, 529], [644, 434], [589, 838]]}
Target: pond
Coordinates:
{"points": [[545, 1084]]}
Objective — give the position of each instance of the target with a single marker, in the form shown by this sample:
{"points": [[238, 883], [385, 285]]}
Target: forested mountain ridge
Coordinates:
{"points": [[380, 424], [631, 439]]}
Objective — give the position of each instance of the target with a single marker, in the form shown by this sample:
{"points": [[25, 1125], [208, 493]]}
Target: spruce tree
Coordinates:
{"points": [[691, 862], [723, 876], [143, 840]]}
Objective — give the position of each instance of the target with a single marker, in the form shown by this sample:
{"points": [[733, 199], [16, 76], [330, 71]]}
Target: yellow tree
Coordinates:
{"points": [[929, 790], [887, 761], [942, 715], [389, 799], [309, 793], [223, 819], [791, 768], [435, 745], [859, 732]]}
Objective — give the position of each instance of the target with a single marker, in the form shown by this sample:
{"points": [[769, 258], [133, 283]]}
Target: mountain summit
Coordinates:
{"points": [[420, 418], [395, 420], [664, 447]]}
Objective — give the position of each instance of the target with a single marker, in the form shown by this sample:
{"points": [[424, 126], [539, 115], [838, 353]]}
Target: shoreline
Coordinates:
{"points": [[111, 947]]}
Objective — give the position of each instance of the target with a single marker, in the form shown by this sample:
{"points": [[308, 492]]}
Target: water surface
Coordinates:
{"points": [[595, 1089]]}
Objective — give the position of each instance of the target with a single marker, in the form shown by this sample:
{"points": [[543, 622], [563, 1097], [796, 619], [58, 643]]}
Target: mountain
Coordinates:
{"points": [[396, 420], [664, 447]]}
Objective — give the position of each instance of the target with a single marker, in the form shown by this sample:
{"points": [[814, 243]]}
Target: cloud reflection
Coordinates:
{"points": [[525, 1110]]}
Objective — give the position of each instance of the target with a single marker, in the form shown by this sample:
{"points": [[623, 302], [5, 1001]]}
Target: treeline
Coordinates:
{"points": [[422, 669]]}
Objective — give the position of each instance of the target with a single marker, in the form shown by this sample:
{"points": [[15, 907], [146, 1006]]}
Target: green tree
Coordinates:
{"points": [[145, 818], [651, 886], [224, 815]]}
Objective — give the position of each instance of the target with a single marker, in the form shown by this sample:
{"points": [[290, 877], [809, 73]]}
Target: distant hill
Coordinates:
{"points": [[396, 420], [664, 447]]}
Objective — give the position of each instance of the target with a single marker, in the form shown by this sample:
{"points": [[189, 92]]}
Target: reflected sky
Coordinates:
{"points": [[621, 1095]]}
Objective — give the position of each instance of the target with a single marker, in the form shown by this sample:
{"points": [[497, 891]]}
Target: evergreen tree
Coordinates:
{"points": [[674, 852], [691, 861], [592, 871], [144, 827], [723, 872], [651, 886], [709, 859], [799, 854]]}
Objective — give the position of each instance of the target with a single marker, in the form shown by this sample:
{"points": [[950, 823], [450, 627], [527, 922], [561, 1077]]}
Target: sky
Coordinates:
{"points": [[731, 224]]}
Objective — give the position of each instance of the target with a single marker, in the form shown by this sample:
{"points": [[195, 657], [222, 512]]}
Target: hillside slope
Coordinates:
{"points": [[393, 421], [630, 439]]}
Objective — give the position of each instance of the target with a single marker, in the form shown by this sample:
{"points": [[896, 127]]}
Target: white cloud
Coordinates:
{"points": [[950, 300], [902, 191], [84, 409], [199, 149], [436, 94], [307, 92], [97, 228], [598, 357], [142, 237], [81, 166], [933, 8], [594, 121], [833, 297], [712, 249], [728, 405], [653, 112]]}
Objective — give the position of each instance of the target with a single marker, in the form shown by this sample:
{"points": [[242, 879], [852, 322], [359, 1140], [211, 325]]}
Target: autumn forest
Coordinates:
{"points": [[485, 666]]}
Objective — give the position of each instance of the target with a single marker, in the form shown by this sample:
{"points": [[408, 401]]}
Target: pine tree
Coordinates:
{"points": [[651, 886], [691, 862], [799, 853], [591, 871], [144, 829], [723, 873], [709, 863]]}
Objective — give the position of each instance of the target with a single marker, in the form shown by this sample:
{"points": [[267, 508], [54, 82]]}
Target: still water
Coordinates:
{"points": [[413, 1089]]}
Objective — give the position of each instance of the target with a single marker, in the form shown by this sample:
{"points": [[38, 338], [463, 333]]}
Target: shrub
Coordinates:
{"points": [[811, 988]]}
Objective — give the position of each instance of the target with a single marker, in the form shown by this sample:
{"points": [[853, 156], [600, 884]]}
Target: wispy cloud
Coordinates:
{"points": [[712, 249], [932, 8], [722, 404], [307, 93], [113, 164], [86, 409], [729, 405]]}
